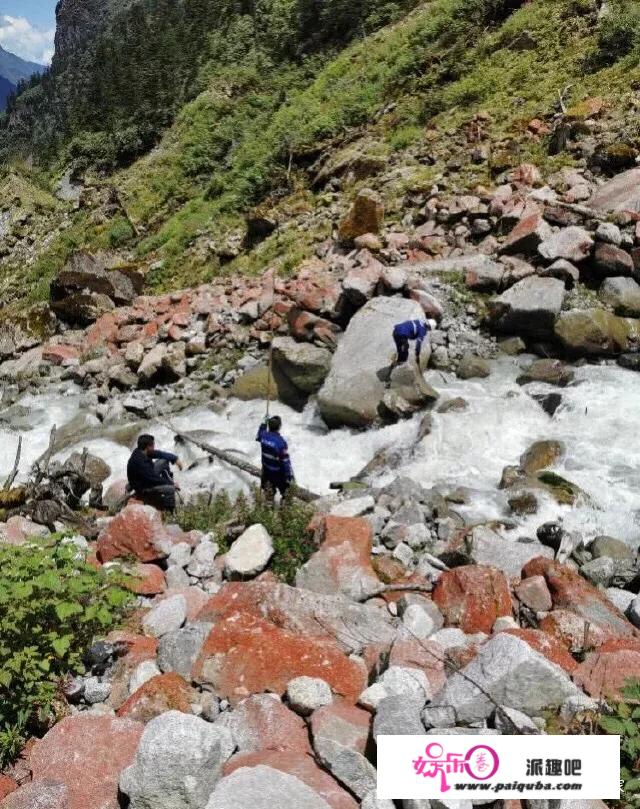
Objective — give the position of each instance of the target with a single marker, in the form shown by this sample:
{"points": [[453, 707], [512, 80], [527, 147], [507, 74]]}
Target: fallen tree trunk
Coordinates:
{"points": [[231, 459]]}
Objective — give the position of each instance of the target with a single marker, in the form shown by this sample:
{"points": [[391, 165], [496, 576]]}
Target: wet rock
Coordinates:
{"points": [[549, 402], [249, 554], [611, 547], [513, 674], [611, 262], [473, 367], [263, 788], [596, 333], [355, 386], [530, 307], [90, 772], [552, 372], [541, 455], [623, 294], [303, 364], [456, 405], [366, 215], [162, 776], [472, 597], [307, 694], [572, 244]]}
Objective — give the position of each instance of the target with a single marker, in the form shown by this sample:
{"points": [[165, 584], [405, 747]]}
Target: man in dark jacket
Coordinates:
{"points": [[277, 472], [149, 474]]}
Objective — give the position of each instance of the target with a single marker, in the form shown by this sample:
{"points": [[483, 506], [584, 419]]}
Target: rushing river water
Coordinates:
{"points": [[598, 421]]}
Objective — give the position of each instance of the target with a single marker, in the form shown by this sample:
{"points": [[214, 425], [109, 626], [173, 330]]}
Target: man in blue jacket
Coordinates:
{"points": [[411, 330], [149, 474], [277, 472]]}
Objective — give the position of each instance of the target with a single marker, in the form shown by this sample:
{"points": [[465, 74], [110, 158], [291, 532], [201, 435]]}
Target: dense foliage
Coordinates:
{"points": [[288, 526], [52, 605], [624, 721], [112, 98]]}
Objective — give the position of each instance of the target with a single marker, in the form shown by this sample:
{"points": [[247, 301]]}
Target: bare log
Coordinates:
{"points": [[231, 459], [9, 481]]}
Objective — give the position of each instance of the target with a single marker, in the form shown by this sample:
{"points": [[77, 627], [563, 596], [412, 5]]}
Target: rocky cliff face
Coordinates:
{"points": [[77, 22]]}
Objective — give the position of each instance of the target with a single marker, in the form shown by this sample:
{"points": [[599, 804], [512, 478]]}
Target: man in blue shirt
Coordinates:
{"points": [[149, 474], [277, 472], [411, 330]]}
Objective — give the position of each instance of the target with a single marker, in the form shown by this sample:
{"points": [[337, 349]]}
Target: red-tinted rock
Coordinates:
{"points": [[17, 530], [166, 692], [138, 647], [343, 563], [87, 754], [571, 592], [59, 354], [611, 262], [534, 593], [300, 765], [604, 674], [103, 331], [527, 235], [7, 786], [426, 655], [263, 722], [547, 645], [38, 795], [342, 723], [472, 597], [137, 531], [246, 655], [147, 580], [572, 631]]}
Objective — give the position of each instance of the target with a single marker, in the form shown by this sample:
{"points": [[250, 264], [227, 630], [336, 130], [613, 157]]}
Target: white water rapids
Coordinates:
{"points": [[598, 421]]}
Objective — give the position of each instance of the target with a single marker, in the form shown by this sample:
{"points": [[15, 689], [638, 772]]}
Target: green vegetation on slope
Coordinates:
{"points": [[51, 606]]}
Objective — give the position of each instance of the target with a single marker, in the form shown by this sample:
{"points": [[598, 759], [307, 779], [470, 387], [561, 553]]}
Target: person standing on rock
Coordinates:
{"points": [[403, 333], [277, 472], [149, 474]]}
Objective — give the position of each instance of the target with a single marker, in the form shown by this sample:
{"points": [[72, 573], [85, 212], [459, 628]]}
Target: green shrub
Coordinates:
{"points": [[119, 232], [287, 525], [624, 721], [51, 607], [619, 32]]}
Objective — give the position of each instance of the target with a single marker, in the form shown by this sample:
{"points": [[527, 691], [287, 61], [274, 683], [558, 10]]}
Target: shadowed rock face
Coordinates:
{"points": [[77, 21]]}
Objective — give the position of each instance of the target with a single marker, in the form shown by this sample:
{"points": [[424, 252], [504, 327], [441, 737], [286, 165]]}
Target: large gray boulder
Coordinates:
{"points": [[352, 393], [623, 294], [513, 674], [621, 193], [530, 307], [304, 366], [484, 546], [178, 650], [597, 333], [264, 788], [178, 763]]}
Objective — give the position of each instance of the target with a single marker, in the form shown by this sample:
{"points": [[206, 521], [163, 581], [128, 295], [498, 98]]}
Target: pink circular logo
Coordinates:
{"points": [[481, 762]]}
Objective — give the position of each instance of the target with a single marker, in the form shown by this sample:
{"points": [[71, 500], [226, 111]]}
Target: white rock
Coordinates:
{"points": [[405, 681], [176, 578], [372, 696], [167, 616], [620, 598], [307, 694], [250, 553], [96, 691], [144, 672], [263, 788], [202, 564], [418, 622], [354, 507], [633, 611], [504, 622], [180, 554]]}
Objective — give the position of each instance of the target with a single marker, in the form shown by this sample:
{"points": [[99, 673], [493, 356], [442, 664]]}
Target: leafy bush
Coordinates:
{"points": [[287, 525], [51, 607], [624, 720], [619, 31]]}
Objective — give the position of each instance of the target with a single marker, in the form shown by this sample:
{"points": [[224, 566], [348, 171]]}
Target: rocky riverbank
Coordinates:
{"points": [[413, 612]]}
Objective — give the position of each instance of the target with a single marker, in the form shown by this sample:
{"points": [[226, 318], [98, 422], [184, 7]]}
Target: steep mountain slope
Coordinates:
{"points": [[454, 92], [13, 69]]}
